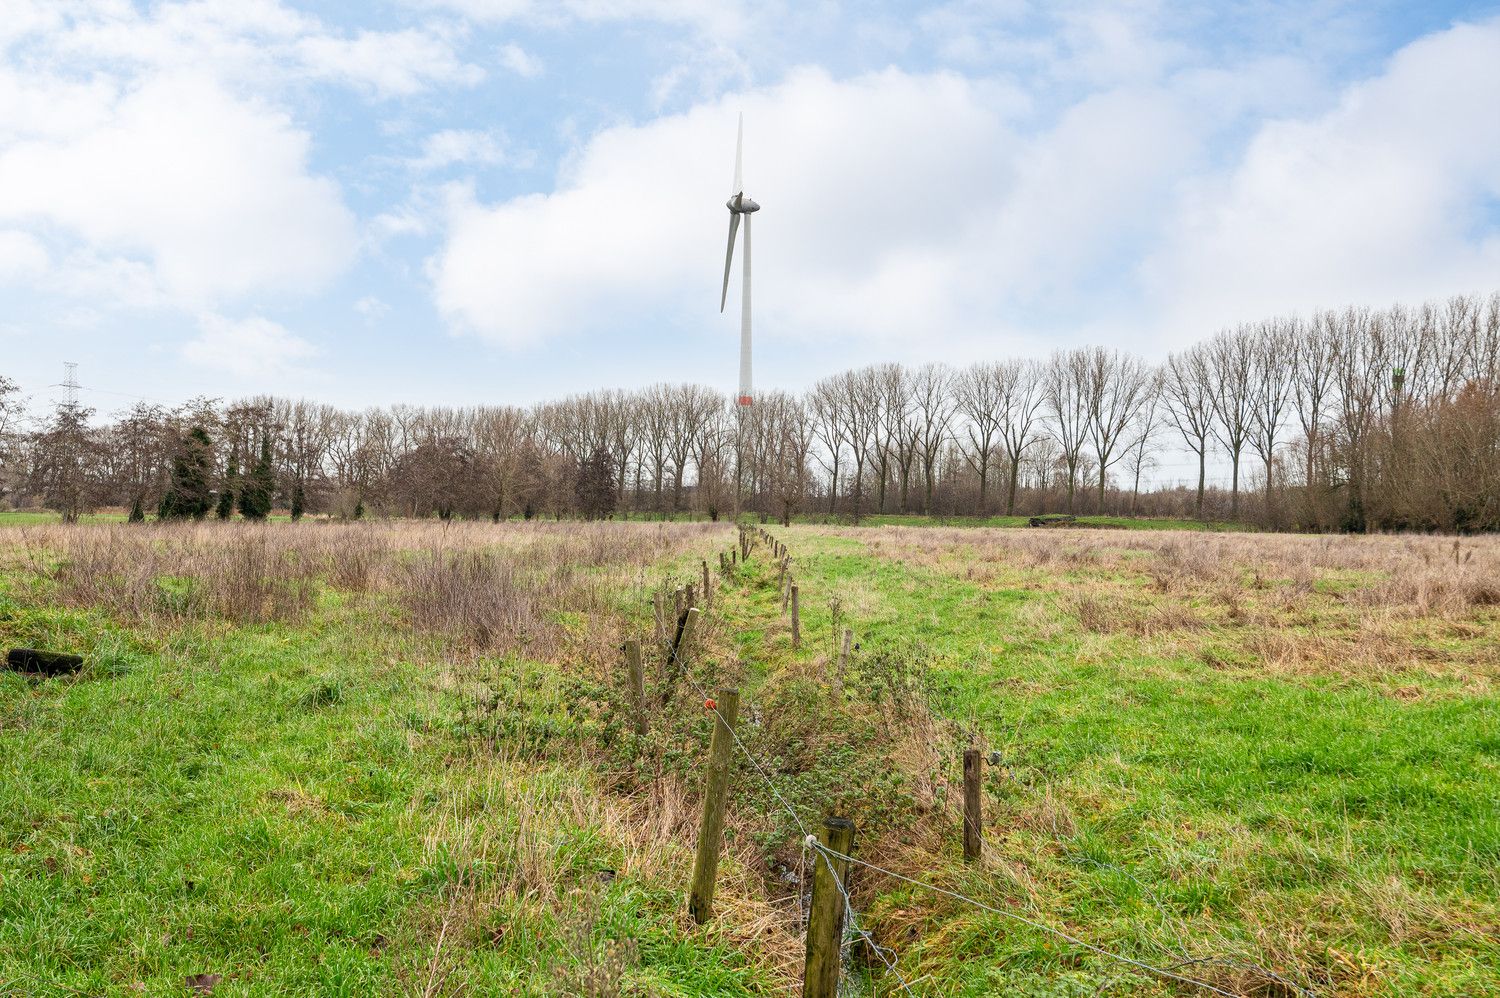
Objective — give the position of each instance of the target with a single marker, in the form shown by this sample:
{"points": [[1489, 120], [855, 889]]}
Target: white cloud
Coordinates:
{"points": [[710, 15], [895, 204], [388, 62], [516, 59], [22, 257], [1382, 198], [900, 205], [212, 191], [247, 348], [371, 308], [256, 44], [459, 147]]}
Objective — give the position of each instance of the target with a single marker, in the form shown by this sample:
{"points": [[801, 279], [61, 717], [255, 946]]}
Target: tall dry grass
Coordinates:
{"points": [[483, 586], [1420, 575]]}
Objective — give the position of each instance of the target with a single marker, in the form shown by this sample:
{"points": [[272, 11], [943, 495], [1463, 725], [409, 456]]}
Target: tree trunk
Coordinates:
{"points": [[1202, 473], [1234, 486]]}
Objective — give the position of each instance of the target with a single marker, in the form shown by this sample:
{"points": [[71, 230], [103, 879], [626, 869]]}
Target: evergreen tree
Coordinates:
{"points": [[137, 512], [189, 494], [259, 486], [297, 500], [596, 485], [359, 510], [226, 494]]}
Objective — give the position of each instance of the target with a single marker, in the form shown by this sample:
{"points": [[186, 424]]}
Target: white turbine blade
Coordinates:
{"points": [[745, 389], [734, 227], [739, 149]]}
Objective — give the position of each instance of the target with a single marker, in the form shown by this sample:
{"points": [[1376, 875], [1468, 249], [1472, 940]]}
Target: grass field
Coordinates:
{"points": [[396, 759]]}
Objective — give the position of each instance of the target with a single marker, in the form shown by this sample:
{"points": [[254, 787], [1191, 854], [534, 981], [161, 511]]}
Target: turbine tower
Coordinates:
{"points": [[739, 205]]}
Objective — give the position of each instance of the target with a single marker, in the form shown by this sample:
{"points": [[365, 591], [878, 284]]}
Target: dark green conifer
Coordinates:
{"points": [[189, 493]]}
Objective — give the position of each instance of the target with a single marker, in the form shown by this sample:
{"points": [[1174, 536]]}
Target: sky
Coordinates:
{"points": [[504, 201]]}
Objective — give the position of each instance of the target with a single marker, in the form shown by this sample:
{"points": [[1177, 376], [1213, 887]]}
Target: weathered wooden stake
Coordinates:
{"points": [[796, 621], [781, 576], [825, 918], [690, 594], [708, 593], [681, 650], [786, 595], [637, 684], [973, 816], [715, 795], [844, 654]]}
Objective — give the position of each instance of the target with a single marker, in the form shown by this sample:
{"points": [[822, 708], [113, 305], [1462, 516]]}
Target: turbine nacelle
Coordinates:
{"points": [[741, 205]]}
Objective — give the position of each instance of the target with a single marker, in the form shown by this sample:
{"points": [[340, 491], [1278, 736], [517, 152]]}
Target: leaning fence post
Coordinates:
{"points": [[973, 817], [677, 658], [796, 622], [825, 918], [715, 794], [637, 684]]}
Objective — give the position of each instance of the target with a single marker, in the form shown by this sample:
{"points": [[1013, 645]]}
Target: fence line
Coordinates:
{"points": [[811, 844]]}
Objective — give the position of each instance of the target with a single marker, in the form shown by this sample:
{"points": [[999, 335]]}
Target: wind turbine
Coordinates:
{"points": [[739, 205]]}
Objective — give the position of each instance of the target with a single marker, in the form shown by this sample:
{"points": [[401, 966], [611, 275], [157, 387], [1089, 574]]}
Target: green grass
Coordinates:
{"points": [[306, 810], [343, 806], [1162, 802]]}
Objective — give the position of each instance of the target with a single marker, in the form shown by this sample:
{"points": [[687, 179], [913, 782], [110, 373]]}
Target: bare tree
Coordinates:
{"points": [[1114, 388], [1271, 379], [979, 399], [1187, 389], [1314, 352], [1146, 429], [1067, 400], [932, 390], [1231, 363]]}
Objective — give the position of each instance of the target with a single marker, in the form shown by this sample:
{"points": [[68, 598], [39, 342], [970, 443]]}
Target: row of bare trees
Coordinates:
{"points": [[1354, 419]]}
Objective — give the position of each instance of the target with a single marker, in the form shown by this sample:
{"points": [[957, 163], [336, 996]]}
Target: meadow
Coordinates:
{"points": [[398, 758]]}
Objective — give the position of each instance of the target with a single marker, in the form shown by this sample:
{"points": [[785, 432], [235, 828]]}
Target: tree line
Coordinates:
{"points": [[1353, 419]]}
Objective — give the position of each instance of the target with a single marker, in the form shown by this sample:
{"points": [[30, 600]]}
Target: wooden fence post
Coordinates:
{"points": [[825, 919], [844, 654], [786, 595], [973, 816], [690, 595], [715, 795], [637, 684], [796, 621], [708, 593], [681, 650]]}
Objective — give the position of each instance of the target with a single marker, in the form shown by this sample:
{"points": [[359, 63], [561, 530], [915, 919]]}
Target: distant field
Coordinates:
{"points": [[13, 517], [396, 758]]}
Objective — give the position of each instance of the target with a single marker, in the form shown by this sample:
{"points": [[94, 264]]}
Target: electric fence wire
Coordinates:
{"points": [[851, 920], [811, 842], [1040, 926]]}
